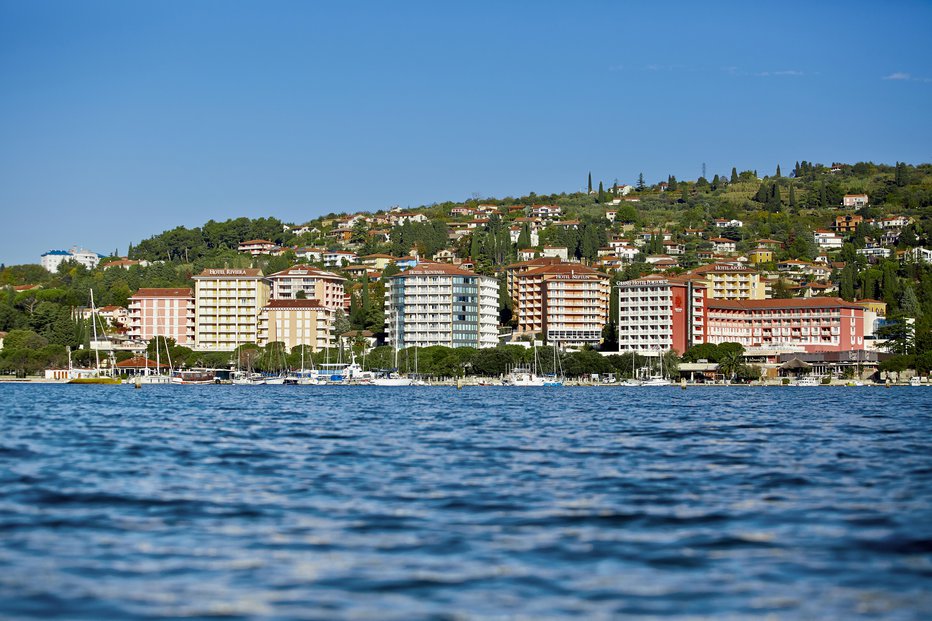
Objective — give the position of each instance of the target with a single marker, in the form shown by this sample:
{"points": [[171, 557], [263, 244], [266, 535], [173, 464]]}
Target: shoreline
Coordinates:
{"points": [[566, 384]]}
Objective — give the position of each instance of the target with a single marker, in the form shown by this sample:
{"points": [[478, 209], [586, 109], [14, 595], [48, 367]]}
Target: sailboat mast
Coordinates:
{"points": [[94, 331]]}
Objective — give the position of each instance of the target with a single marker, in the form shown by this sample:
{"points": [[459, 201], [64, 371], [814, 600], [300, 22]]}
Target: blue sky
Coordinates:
{"points": [[119, 120]]}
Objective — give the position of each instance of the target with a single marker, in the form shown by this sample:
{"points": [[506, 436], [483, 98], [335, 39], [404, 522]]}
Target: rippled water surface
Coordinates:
{"points": [[287, 502]]}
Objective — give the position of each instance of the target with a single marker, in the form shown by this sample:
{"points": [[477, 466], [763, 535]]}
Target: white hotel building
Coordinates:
{"points": [[439, 304]]}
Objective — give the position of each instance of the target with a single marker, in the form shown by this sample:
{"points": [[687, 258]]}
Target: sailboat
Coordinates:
{"points": [[303, 376], [392, 378], [524, 376], [658, 380], [158, 377], [556, 379], [98, 376], [633, 380]]}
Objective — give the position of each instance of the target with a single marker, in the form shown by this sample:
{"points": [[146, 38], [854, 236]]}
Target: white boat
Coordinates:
{"points": [[242, 378], [915, 380], [656, 381], [523, 376], [391, 379], [808, 380]]}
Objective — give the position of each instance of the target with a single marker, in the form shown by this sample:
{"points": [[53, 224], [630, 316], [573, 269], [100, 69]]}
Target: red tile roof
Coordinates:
{"points": [[776, 304], [163, 293], [428, 268], [140, 362], [308, 304]]}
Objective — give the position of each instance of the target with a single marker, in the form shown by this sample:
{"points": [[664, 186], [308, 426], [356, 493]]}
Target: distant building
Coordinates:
{"points": [[440, 304], [827, 240], [52, 259], [847, 223], [855, 201], [256, 247]]}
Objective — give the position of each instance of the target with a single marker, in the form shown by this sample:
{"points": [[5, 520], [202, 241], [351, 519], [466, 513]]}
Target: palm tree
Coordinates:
{"points": [[729, 363]]}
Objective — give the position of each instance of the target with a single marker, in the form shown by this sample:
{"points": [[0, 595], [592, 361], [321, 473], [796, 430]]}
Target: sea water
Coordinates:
{"points": [[306, 502]]}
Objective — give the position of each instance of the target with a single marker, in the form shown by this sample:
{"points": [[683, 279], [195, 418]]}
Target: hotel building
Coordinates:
{"points": [[317, 284], [726, 281], [228, 304], [162, 312], [657, 313], [512, 271], [566, 303], [296, 322], [439, 304], [813, 324]]}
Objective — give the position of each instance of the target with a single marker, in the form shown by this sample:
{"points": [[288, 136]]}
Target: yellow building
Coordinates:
{"points": [[875, 306], [296, 322], [761, 255], [316, 284], [228, 302], [566, 303], [726, 281]]}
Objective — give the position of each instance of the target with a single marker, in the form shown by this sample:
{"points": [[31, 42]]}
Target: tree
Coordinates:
{"points": [[792, 197], [909, 302], [778, 172], [524, 238], [734, 174], [601, 193], [640, 187], [590, 182], [899, 335], [847, 280]]}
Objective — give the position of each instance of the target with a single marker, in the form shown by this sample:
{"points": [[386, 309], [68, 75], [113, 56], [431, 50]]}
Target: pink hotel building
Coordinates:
{"points": [[162, 312], [659, 313]]}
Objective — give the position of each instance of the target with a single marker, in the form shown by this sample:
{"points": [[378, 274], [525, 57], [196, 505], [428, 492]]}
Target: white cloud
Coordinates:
{"points": [[898, 75]]}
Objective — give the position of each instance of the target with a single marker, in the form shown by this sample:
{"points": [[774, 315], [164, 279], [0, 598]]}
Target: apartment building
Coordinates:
{"points": [[658, 313], [814, 324], [441, 304], [566, 303], [727, 281], [228, 303], [317, 284], [167, 312], [296, 322]]}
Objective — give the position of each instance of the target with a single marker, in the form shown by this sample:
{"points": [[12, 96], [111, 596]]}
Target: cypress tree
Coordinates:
{"points": [[734, 175], [601, 193], [641, 185], [792, 197], [590, 182], [778, 172], [475, 246], [524, 239], [796, 171]]}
